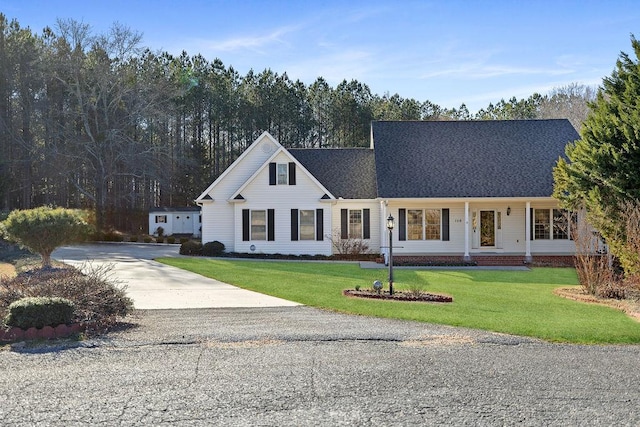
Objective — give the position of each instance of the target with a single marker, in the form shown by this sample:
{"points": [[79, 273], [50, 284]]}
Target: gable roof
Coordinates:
{"points": [[265, 165], [501, 158], [349, 173]]}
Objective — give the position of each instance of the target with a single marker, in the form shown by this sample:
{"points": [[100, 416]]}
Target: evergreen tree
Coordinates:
{"points": [[603, 167]]}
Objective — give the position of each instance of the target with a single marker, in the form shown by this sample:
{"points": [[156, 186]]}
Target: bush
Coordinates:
{"points": [[112, 236], [133, 238], [184, 240], [215, 248], [147, 239], [43, 229], [160, 239], [95, 296], [39, 312], [171, 240], [191, 247]]}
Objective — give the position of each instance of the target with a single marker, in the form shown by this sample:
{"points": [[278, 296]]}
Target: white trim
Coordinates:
{"points": [[244, 154], [467, 232], [266, 165], [527, 222]]}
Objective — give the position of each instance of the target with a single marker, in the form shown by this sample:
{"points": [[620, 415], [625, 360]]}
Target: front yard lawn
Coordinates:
{"points": [[512, 302]]}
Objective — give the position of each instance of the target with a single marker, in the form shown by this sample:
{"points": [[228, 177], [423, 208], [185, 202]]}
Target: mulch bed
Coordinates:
{"points": [[398, 296], [576, 293]]}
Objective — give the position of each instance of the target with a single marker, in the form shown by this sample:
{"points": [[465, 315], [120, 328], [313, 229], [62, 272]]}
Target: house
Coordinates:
{"points": [[458, 191], [175, 221]]}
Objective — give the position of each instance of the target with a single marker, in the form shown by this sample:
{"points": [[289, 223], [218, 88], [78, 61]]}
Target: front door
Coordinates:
{"points": [[487, 228]]}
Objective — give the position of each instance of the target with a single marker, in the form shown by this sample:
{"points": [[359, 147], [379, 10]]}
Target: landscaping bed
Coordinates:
{"points": [[398, 296]]}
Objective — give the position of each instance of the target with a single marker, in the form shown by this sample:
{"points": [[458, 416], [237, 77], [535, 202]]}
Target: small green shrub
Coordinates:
{"points": [[112, 236], [133, 238], [214, 248], [160, 239], [171, 240], [183, 240], [95, 295], [39, 312], [191, 247], [147, 239]]}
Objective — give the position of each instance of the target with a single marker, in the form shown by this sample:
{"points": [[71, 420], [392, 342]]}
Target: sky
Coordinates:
{"points": [[447, 52]]}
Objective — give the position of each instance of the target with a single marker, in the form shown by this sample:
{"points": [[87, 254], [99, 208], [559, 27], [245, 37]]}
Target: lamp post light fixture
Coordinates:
{"points": [[390, 225]]}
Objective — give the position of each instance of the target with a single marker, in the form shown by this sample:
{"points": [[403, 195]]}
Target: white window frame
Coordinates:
{"points": [[282, 173], [355, 228], [161, 219], [550, 225], [255, 228], [424, 225], [307, 228]]}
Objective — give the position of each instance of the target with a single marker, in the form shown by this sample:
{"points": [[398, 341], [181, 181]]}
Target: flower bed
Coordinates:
{"points": [[399, 296]]}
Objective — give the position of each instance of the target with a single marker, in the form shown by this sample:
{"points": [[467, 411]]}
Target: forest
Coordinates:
{"points": [[98, 121]]}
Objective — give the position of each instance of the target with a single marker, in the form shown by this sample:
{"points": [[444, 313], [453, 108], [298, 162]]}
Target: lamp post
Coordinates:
{"points": [[390, 227]]}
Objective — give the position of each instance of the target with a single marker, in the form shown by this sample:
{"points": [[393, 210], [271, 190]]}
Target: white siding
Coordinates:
{"points": [[218, 216], [510, 238], [455, 244], [374, 242], [259, 195]]}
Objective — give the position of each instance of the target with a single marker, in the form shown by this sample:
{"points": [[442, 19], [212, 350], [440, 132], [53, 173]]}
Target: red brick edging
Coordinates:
{"points": [[47, 333]]}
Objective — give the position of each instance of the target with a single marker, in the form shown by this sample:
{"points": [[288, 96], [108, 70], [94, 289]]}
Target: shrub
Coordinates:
{"points": [[191, 247], [184, 240], [147, 239], [214, 248], [171, 240], [39, 312], [133, 238], [112, 236], [43, 229], [95, 295], [160, 239]]}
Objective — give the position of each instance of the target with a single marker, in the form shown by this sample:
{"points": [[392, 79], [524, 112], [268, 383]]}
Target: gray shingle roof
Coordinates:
{"points": [[349, 173], [511, 158]]}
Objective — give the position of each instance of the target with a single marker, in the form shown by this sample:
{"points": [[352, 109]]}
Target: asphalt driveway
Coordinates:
{"points": [[152, 285]]}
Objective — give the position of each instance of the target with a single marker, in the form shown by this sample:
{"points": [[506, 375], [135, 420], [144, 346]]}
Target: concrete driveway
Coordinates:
{"points": [[153, 286]]}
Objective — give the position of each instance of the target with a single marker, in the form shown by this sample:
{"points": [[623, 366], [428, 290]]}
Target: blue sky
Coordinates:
{"points": [[447, 52]]}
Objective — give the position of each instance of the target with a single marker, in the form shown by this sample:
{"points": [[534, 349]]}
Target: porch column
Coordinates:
{"points": [[527, 221], [467, 257], [384, 235]]}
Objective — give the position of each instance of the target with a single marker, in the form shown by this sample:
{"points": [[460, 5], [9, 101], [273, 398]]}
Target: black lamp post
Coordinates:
{"points": [[390, 227]]}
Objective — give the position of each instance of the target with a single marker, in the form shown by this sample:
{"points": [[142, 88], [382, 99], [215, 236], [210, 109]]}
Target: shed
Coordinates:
{"points": [[184, 220]]}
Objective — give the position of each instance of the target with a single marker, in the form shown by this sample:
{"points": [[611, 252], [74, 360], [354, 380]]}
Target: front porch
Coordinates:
{"points": [[485, 260]]}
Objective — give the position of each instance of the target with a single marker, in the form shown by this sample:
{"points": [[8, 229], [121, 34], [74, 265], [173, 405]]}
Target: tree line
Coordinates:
{"points": [[99, 121]]}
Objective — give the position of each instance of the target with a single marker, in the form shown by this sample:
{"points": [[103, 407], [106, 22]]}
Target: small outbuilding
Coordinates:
{"points": [[184, 221]]}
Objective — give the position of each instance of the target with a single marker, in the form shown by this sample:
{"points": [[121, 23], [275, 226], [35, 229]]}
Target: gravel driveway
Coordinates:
{"points": [[299, 366]]}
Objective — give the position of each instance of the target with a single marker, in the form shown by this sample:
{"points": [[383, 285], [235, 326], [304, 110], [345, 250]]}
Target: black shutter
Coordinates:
{"points": [[319, 224], [366, 223], [532, 227], [271, 231], [292, 173], [245, 225], [445, 225], [402, 224], [272, 173], [294, 225], [344, 223]]}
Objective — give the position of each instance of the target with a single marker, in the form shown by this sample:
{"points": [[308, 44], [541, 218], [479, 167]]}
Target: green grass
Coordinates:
{"points": [[512, 302]]}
